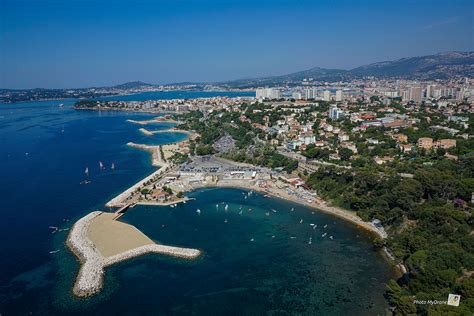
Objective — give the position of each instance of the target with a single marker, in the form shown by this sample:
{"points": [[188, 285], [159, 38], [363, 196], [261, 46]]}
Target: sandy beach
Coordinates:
{"points": [[276, 192], [100, 240]]}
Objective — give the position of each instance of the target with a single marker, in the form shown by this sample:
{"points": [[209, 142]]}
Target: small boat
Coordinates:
{"points": [[292, 209], [86, 171], [292, 237], [172, 205], [55, 251], [60, 105], [330, 237], [245, 197], [217, 205], [325, 226], [273, 236], [225, 221], [314, 227], [198, 211], [101, 165], [311, 224], [175, 205], [273, 210], [251, 239], [240, 213], [267, 213], [310, 240], [85, 182], [226, 207], [113, 166], [324, 235], [301, 221]]}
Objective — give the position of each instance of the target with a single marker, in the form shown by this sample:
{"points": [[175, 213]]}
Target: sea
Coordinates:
{"points": [[261, 256]]}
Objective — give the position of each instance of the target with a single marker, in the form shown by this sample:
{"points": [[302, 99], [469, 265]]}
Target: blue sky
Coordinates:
{"points": [[71, 43]]}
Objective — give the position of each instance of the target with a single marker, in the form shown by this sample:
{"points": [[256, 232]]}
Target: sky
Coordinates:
{"points": [[73, 44]]}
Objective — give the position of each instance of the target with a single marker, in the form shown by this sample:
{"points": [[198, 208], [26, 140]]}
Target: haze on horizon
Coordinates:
{"points": [[71, 44]]}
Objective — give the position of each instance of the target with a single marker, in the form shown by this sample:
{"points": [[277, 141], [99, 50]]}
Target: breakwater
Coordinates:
{"points": [[90, 278]]}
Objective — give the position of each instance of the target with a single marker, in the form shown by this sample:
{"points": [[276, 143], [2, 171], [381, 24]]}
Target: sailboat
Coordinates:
{"points": [[113, 166], [86, 171], [198, 211], [226, 207], [310, 240], [101, 165]]}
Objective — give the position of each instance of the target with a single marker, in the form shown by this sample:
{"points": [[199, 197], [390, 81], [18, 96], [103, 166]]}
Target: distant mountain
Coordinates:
{"points": [[439, 66], [132, 85]]}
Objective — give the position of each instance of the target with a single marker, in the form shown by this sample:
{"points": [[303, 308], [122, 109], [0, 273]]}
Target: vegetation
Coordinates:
{"points": [[429, 223]]}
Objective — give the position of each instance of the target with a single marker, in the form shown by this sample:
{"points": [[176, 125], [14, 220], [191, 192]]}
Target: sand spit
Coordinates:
{"points": [[89, 248]]}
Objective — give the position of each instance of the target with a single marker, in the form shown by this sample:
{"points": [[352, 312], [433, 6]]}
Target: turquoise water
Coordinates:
{"points": [[235, 275]]}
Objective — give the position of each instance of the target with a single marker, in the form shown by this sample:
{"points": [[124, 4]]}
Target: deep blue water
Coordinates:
{"points": [[44, 151]]}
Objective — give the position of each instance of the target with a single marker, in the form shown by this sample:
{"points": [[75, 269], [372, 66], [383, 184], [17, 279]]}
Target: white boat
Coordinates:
{"points": [[273, 210], [86, 171], [198, 211], [311, 224], [325, 226], [330, 237], [310, 240], [292, 237], [85, 182], [113, 166], [217, 205], [225, 221], [240, 213], [172, 205], [251, 239], [314, 227], [292, 209], [301, 221], [324, 235], [267, 213], [55, 251], [101, 165], [60, 105], [226, 207]]}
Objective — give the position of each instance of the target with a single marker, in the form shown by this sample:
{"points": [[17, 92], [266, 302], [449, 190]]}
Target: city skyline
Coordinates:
{"points": [[52, 45]]}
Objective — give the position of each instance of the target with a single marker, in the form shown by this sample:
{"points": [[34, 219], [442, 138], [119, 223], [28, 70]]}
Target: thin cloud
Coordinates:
{"points": [[441, 22]]}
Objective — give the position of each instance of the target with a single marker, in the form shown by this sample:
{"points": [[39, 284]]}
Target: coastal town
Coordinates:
{"points": [[323, 148]]}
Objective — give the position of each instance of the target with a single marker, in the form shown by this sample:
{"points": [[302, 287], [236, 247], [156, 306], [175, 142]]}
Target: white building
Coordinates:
{"points": [[338, 95], [310, 94], [335, 113], [296, 95], [327, 95], [267, 93]]}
